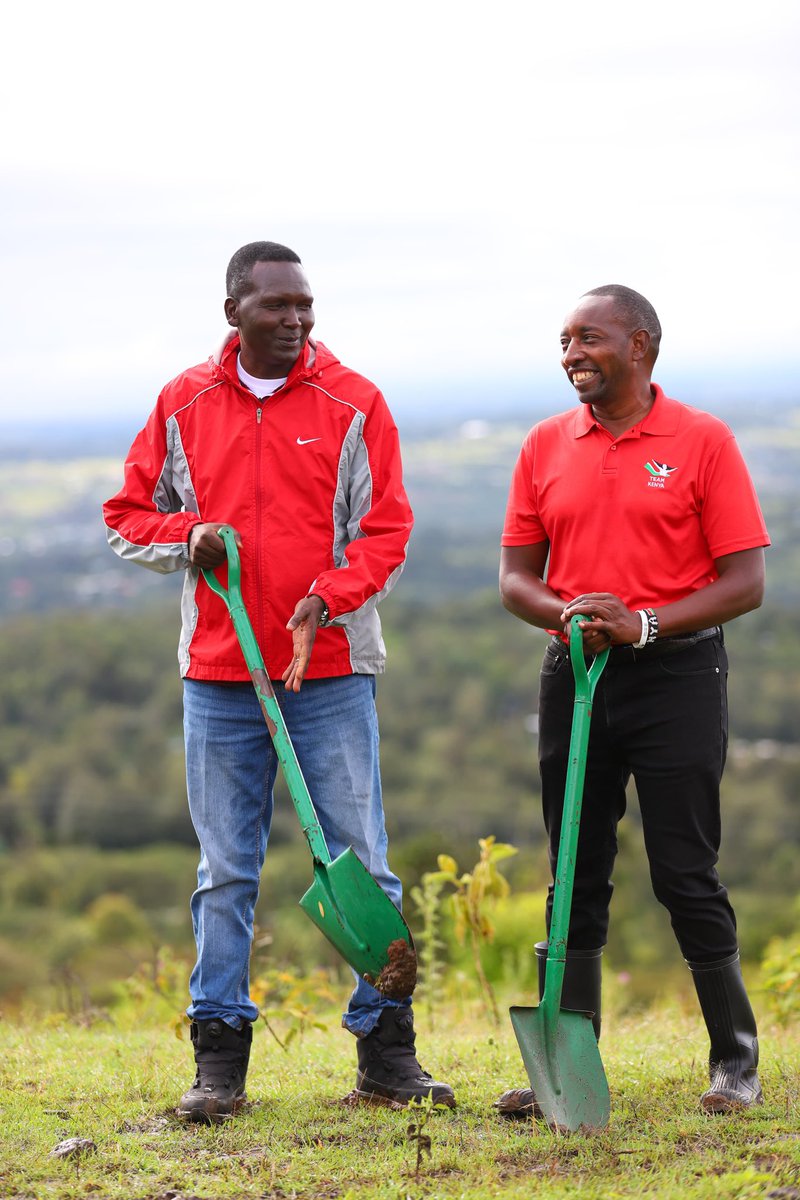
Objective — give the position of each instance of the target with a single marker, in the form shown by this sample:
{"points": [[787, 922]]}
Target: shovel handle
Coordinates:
{"points": [[585, 681], [298, 789], [585, 684]]}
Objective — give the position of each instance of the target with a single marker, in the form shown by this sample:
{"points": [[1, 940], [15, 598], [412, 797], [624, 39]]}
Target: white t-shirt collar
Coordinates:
{"points": [[259, 387]]}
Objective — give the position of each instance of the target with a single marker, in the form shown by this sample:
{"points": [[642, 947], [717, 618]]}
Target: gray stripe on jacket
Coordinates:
{"points": [[351, 503]]}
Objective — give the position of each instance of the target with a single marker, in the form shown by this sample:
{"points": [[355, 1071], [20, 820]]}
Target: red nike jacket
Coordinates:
{"points": [[312, 479]]}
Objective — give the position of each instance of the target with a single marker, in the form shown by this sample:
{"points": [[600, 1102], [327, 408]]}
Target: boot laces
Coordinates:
{"points": [[218, 1065], [400, 1057], [218, 1071]]}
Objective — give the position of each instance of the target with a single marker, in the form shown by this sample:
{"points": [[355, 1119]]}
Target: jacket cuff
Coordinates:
{"points": [[322, 592]]}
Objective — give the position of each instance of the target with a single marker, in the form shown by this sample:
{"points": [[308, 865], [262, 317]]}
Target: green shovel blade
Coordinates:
{"points": [[344, 887], [564, 1067]]}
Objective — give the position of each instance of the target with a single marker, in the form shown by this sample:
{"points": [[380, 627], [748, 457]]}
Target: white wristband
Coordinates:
{"points": [[642, 615]]}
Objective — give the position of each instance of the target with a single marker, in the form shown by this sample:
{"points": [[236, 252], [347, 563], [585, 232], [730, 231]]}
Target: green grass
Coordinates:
{"points": [[117, 1086]]}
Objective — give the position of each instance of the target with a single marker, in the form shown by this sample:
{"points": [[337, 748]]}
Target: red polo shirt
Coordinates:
{"points": [[643, 515]]}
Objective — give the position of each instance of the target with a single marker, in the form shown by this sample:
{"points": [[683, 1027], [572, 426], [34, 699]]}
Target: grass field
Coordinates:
{"points": [[116, 1086]]}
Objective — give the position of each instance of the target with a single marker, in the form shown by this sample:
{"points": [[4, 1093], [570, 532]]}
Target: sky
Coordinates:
{"points": [[453, 175]]}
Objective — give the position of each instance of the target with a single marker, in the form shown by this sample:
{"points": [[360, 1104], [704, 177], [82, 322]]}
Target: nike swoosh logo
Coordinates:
{"points": [[305, 441]]}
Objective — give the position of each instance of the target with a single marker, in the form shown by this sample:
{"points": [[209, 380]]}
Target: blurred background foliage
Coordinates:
{"points": [[97, 854]]}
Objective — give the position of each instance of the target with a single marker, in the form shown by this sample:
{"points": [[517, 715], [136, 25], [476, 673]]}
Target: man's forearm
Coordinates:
{"points": [[738, 589], [530, 599], [523, 589]]}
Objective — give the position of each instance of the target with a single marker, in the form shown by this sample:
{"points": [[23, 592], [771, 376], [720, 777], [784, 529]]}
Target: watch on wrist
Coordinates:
{"points": [[325, 615]]}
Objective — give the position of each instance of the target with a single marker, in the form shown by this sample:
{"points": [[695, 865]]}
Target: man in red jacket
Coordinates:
{"points": [[299, 454], [639, 512]]}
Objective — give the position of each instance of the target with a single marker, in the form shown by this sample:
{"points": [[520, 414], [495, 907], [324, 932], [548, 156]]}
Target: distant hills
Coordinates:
{"points": [[419, 407], [55, 476]]}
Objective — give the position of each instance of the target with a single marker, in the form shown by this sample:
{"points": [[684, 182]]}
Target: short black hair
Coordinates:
{"points": [[636, 311], [237, 278]]}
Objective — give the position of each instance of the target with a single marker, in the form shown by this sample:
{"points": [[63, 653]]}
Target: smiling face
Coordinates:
{"points": [[602, 357], [274, 317]]}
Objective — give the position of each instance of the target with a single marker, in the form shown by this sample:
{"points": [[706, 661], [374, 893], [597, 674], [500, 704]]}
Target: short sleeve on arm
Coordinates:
{"points": [[523, 526], [731, 516]]}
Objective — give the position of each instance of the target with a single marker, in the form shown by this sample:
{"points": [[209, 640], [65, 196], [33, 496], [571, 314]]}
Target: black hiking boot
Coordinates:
{"points": [[388, 1071], [580, 993], [734, 1038], [222, 1054]]}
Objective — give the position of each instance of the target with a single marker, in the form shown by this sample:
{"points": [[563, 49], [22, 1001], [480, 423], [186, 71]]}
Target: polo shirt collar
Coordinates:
{"points": [[662, 419]]}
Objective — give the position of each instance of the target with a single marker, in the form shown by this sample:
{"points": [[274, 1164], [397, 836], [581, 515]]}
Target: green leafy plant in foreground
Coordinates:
{"points": [[426, 897], [417, 1130], [474, 893], [292, 1000]]}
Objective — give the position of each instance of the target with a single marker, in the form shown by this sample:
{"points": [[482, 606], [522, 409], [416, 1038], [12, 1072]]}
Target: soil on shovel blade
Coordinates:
{"points": [[399, 977]]}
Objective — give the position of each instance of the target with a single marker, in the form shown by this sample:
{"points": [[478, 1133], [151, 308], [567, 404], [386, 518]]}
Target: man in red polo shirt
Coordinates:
{"points": [[639, 512]]}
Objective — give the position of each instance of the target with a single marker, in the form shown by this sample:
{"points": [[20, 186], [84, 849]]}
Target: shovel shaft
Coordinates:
{"points": [[298, 790], [570, 828], [559, 1048], [585, 684]]}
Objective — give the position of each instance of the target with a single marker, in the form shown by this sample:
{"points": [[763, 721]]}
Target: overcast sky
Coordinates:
{"points": [[453, 175]]}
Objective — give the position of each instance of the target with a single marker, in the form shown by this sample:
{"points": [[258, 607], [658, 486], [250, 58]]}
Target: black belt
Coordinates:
{"points": [[656, 649]]}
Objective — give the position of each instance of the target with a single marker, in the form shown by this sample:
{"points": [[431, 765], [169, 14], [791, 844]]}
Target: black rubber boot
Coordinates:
{"points": [[222, 1054], [388, 1071], [580, 992], [734, 1039]]}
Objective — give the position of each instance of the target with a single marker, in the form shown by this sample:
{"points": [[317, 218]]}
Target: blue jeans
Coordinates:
{"points": [[230, 772]]}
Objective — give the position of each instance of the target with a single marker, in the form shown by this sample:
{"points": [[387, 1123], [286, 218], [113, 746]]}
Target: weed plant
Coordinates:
{"points": [[475, 892]]}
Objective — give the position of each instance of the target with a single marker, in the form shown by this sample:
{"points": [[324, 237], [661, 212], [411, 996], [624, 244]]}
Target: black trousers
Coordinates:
{"points": [[662, 718]]}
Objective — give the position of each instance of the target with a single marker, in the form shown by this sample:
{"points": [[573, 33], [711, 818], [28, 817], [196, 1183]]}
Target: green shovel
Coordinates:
{"points": [[559, 1048], [344, 901]]}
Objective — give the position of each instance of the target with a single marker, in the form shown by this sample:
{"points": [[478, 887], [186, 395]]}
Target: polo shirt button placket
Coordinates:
{"points": [[611, 469]]}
